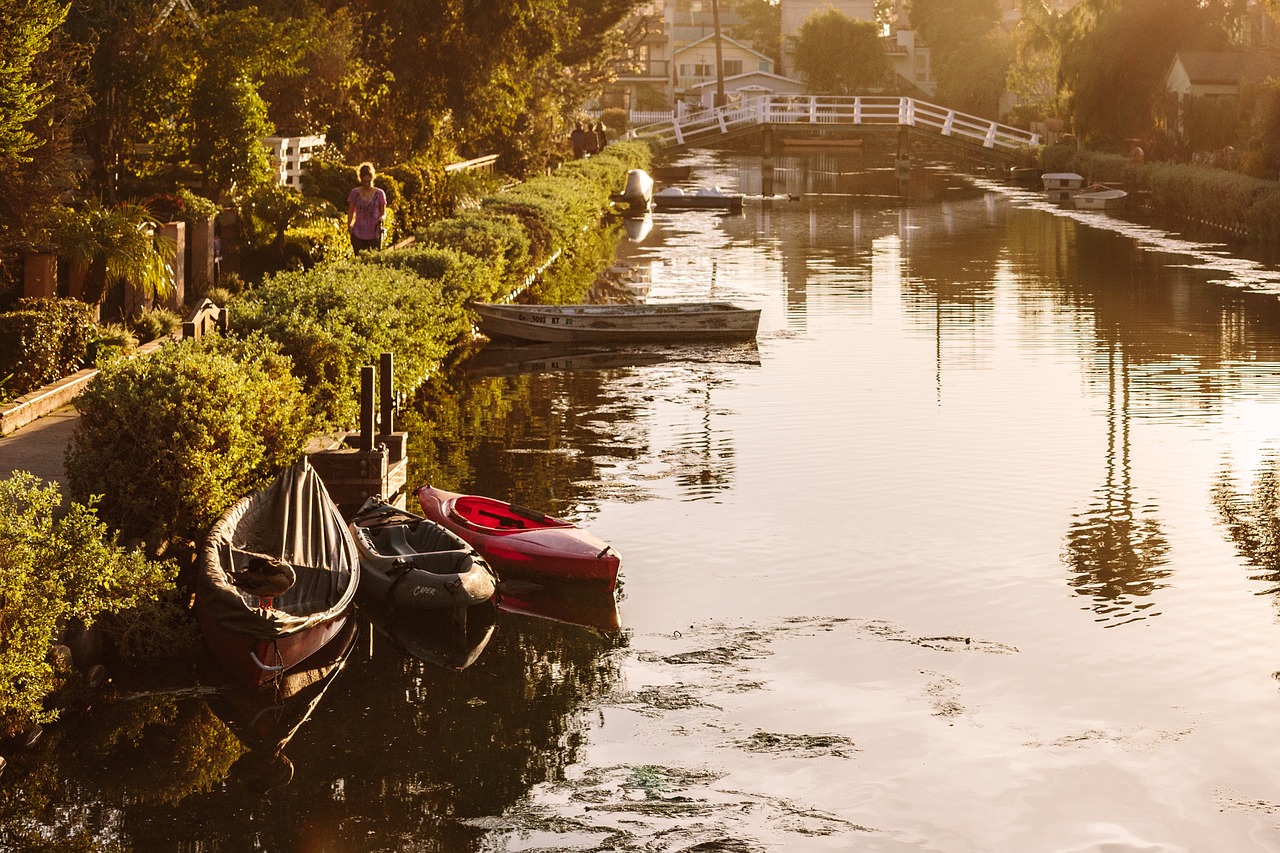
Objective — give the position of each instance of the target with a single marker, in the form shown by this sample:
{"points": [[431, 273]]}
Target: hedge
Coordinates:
{"points": [[170, 441], [42, 341]]}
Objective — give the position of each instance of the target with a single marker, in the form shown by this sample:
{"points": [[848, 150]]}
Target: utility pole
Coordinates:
{"points": [[715, 20]]}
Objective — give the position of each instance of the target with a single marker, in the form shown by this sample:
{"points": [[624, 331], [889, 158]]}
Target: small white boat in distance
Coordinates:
{"points": [[672, 322], [675, 198], [1099, 197], [1061, 186], [638, 193]]}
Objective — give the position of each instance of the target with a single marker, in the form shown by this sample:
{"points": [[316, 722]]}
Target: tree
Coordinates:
{"points": [[969, 51], [760, 27], [23, 41], [838, 55], [113, 245], [1115, 55], [1037, 56]]}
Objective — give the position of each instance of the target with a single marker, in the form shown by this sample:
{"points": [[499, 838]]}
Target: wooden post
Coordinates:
{"points": [[386, 397], [177, 232], [366, 408]]}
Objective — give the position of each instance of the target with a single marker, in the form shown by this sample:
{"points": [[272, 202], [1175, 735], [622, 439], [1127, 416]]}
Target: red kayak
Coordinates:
{"points": [[521, 542]]}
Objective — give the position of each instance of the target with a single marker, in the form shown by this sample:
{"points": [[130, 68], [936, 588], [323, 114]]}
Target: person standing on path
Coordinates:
{"points": [[366, 207]]}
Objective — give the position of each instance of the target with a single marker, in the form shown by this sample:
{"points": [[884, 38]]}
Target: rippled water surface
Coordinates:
{"points": [[976, 549]]}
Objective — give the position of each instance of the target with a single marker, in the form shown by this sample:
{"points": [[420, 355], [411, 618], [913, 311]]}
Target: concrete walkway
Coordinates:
{"points": [[39, 446]]}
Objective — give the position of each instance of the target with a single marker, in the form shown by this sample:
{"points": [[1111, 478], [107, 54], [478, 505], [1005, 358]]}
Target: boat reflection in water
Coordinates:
{"points": [[516, 360], [448, 639], [266, 718], [568, 603]]}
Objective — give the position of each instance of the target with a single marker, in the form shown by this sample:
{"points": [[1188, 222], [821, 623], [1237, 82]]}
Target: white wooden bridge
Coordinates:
{"points": [[838, 115]]}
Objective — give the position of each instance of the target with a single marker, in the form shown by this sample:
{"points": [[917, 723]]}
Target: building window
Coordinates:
{"points": [[732, 67]]}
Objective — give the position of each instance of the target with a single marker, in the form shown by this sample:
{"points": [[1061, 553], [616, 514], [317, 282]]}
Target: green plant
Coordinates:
{"points": [[320, 241], [171, 440], [109, 341], [334, 319], [156, 322], [44, 340], [55, 566], [114, 244]]}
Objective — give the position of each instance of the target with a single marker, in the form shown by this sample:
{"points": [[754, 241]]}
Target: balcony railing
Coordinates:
{"points": [[640, 69]]}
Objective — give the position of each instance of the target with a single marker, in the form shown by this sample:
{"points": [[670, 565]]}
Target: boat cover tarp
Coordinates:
{"points": [[293, 519]]}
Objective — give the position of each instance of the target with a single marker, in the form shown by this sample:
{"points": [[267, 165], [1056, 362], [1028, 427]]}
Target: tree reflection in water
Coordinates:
{"points": [[1253, 521], [1115, 553]]}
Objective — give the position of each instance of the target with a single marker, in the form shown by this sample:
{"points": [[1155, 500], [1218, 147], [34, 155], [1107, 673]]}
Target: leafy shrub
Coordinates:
{"points": [[42, 341], [109, 341], [321, 241], [494, 236], [335, 319], [459, 276], [171, 440], [616, 120], [54, 567], [155, 323]]}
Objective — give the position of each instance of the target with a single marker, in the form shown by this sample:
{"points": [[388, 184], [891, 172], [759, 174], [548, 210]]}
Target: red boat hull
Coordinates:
{"points": [[523, 543], [275, 657]]}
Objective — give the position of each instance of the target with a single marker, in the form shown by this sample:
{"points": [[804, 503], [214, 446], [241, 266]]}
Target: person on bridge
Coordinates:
{"points": [[366, 208]]}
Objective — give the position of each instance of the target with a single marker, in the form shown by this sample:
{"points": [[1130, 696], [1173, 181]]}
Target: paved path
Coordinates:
{"points": [[39, 446]]}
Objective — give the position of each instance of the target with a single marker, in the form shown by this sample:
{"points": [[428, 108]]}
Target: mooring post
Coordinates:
{"points": [[366, 408], [386, 397]]}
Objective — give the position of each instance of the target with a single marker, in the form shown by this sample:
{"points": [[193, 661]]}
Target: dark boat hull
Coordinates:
{"points": [[619, 325]]}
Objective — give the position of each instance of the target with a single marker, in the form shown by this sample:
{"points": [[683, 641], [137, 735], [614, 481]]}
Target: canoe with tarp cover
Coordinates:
{"points": [[619, 325], [255, 630]]}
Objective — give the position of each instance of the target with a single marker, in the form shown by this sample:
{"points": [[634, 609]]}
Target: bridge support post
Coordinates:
{"points": [[766, 163]]}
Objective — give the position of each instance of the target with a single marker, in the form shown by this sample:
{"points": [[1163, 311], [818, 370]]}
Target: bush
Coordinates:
{"points": [[53, 567], [322, 241], [170, 441], [335, 319], [493, 236], [42, 341], [109, 341], [155, 323]]}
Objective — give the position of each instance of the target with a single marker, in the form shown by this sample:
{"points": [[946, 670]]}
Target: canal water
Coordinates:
{"points": [[976, 549]]}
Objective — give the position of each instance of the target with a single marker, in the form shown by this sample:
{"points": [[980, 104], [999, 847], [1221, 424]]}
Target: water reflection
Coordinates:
{"points": [[1253, 521], [1116, 547]]}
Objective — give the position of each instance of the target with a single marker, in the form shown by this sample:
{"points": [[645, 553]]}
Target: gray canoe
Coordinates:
{"points": [[671, 322]]}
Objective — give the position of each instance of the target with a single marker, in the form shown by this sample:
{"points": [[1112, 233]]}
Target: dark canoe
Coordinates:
{"points": [[411, 563], [295, 521], [619, 325]]}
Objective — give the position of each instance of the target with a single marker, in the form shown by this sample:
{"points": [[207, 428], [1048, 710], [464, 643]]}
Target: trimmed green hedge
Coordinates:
{"points": [[333, 320], [42, 341], [1217, 197], [170, 441]]}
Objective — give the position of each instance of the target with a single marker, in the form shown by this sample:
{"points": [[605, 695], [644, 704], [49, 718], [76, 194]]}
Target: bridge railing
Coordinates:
{"points": [[837, 110]]}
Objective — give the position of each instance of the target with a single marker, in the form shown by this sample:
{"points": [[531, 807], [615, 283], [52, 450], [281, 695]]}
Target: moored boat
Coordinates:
{"points": [[1061, 186], [687, 322], [1099, 197], [521, 542], [277, 577], [637, 195], [409, 562], [705, 198]]}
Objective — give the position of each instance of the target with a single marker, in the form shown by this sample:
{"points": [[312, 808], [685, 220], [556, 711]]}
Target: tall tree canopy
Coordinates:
{"points": [[760, 26], [969, 51], [1116, 53], [838, 55]]}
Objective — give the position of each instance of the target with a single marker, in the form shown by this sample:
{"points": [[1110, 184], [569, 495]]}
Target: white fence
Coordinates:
{"points": [[704, 125]]}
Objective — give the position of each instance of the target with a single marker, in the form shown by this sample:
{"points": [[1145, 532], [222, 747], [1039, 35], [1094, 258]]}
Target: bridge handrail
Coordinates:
{"points": [[838, 109]]}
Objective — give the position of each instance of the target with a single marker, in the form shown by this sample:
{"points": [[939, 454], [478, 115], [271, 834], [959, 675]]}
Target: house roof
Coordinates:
{"points": [[1204, 66], [740, 78], [723, 38]]}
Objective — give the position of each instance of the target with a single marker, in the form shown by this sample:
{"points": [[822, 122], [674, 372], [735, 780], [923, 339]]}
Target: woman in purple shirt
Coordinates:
{"points": [[366, 205]]}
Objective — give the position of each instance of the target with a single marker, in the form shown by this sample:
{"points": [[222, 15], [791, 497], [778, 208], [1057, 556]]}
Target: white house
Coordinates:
{"points": [[695, 63], [746, 85]]}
